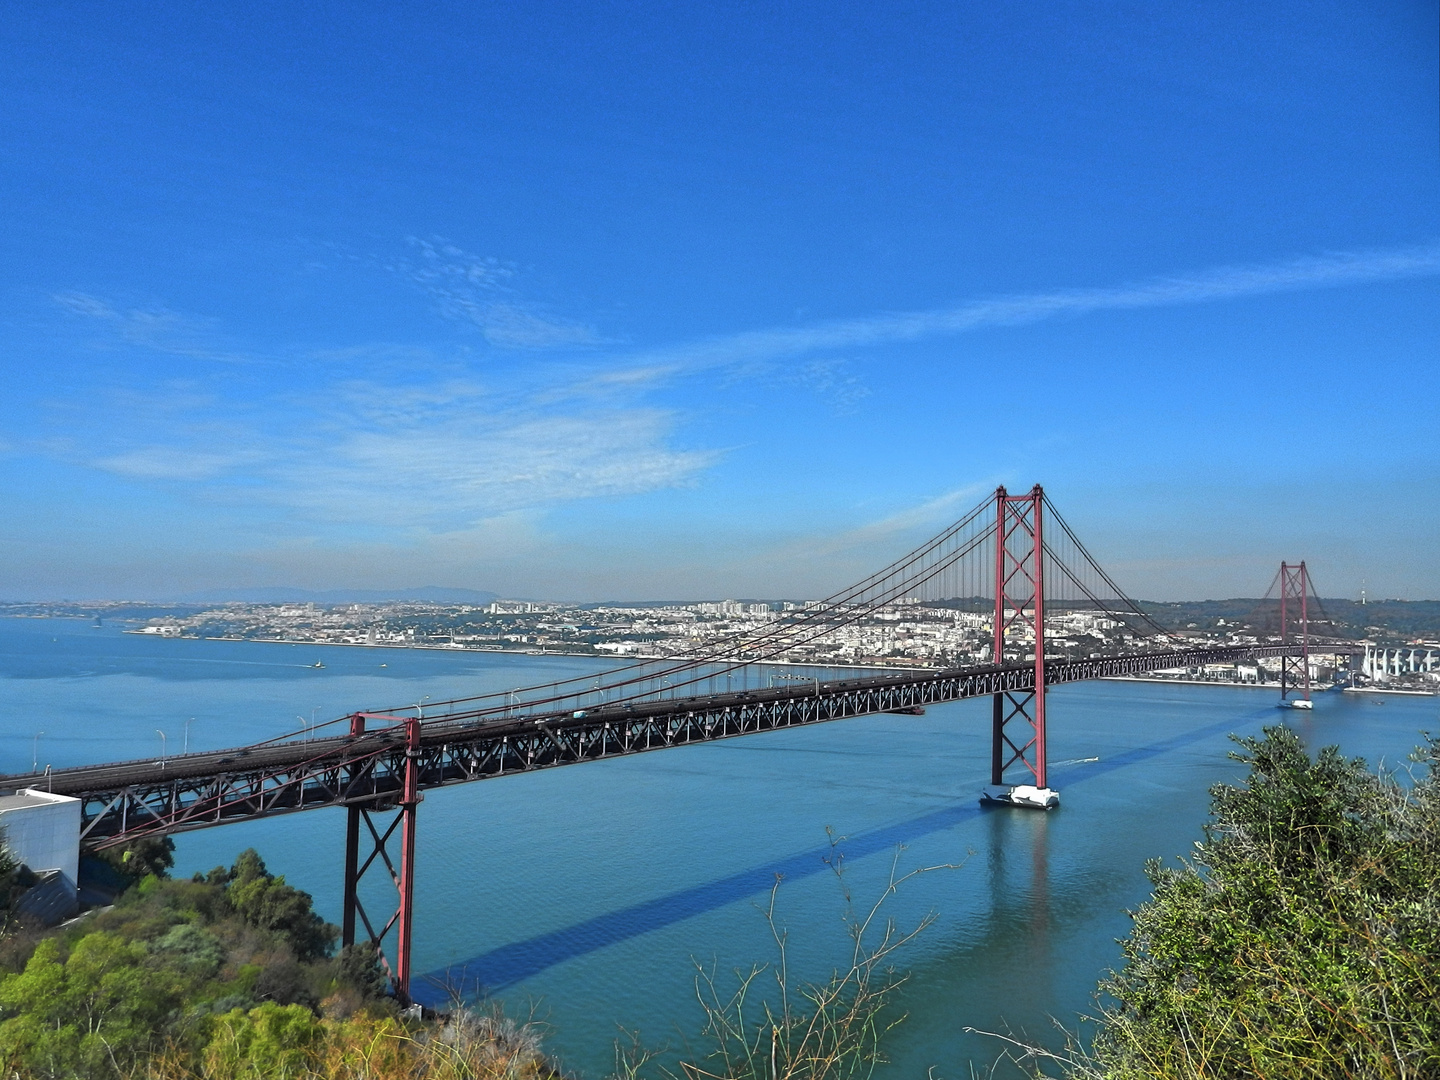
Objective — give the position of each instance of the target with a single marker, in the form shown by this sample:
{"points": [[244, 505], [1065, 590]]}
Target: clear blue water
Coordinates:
{"points": [[588, 893]]}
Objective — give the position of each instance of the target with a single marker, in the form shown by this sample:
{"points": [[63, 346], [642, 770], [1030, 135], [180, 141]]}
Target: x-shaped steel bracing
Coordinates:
{"points": [[402, 876], [1019, 604]]}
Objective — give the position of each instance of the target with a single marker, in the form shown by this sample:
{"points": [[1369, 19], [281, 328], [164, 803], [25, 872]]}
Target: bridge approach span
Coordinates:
{"points": [[127, 800]]}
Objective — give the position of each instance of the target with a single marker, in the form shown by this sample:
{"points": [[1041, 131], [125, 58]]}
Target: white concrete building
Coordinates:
{"points": [[42, 831], [1381, 665]]}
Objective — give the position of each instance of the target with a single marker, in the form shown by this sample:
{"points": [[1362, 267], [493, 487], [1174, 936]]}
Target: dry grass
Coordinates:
{"points": [[463, 1046], [829, 1030]]}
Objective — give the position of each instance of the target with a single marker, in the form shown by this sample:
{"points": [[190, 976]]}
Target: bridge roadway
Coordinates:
{"points": [[126, 800]]}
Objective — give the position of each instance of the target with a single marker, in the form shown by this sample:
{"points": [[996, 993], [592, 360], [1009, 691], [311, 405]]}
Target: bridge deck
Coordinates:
{"points": [[124, 800]]}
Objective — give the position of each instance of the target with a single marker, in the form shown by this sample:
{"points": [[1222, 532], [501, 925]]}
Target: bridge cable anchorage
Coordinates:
{"points": [[1023, 604]]}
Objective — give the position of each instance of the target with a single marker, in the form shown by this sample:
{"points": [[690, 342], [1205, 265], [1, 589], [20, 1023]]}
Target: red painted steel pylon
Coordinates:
{"points": [[403, 876], [1019, 718], [1295, 608]]}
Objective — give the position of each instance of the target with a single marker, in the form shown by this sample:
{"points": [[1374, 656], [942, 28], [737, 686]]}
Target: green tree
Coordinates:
{"points": [[192, 948], [266, 901], [1301, 941], [141, 858], [85, 1015], [8, 865], [358, 967]]}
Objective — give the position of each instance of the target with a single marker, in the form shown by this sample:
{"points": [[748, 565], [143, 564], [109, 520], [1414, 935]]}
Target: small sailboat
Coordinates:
{"points": [[317, 664]]}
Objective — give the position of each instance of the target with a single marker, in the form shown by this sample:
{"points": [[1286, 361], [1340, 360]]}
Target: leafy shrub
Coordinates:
{"points": [[82, 1015], [150, 856], [192, 948], [8, 866], [269, 1041], [1302, 940], [266, 901]]}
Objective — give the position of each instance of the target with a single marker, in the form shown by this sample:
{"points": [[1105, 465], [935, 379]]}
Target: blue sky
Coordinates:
{"points": [[608, 301]]}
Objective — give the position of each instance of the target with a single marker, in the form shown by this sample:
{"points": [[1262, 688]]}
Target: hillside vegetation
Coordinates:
{"points": [[1301, 940], [224, 977]]}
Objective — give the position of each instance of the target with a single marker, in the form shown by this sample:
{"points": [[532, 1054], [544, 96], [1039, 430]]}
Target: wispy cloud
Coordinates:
{"points": [[156, 328], [175, 463], [474, 464], [434, 446], [834, 382], [481, 291], [419, 440], [428, 457], [1223, 283]]}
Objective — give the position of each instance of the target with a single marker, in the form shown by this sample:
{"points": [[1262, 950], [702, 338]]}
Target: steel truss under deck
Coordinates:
{"points": [[125, 801], [380, 770], [387, 770]]}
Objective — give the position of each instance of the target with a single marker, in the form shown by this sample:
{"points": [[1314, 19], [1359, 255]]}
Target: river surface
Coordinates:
{"points": [[586, 895]]}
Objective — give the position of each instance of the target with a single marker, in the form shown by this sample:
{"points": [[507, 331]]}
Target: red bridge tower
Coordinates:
{"points": [[1295, 623], [1018, 727]]}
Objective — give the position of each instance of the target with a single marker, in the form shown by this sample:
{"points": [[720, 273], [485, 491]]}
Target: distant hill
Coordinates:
{"points": [[1379, 619], [427, 594]]}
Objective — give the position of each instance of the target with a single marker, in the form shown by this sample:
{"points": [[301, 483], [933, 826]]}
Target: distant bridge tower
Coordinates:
{"points": [[1295, 628], [1018, 719]]}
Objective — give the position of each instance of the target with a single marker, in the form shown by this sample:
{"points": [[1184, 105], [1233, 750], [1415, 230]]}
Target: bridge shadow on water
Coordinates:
{"points": [[517, 961]]}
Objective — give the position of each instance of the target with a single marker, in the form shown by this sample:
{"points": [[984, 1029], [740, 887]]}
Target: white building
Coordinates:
{"points": [[1381, 665], [42, 831]]}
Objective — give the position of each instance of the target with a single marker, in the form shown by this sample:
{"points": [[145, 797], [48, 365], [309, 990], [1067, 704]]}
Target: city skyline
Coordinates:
{"points": [[640, 303]]}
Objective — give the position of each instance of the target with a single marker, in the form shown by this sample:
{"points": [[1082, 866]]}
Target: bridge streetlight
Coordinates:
{"points": [[787, 676], [419, 707], [162, 746], [186, 750], [35, 752]]}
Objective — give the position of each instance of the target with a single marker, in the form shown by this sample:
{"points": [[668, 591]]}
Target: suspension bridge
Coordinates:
{"points": [[1012, 558]]}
